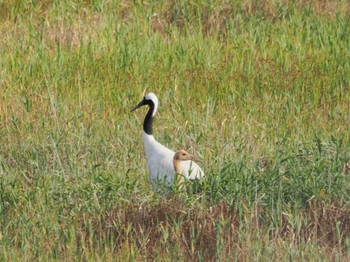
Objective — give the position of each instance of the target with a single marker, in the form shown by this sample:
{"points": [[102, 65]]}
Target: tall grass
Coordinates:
{"points": [[260, 91]]}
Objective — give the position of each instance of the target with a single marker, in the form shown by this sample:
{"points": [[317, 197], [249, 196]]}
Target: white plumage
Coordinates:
{"points": [[159, 157]]}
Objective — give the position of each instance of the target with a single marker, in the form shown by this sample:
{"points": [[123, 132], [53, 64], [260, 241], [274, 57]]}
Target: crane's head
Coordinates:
{"points": [[151, 100], [183, 155]]}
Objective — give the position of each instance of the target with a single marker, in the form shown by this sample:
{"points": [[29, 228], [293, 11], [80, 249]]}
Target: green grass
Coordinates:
{"points": [[259, 91]]}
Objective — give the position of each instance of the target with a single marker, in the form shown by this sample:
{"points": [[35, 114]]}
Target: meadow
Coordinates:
{"points": [[258, 90]]}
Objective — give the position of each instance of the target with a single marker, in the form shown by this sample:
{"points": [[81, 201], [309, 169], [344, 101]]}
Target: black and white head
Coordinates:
{"points": [[152, 101]]}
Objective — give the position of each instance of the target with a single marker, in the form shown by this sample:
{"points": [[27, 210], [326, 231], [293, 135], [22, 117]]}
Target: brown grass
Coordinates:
{"points": [[171, 14], [326, 222], [327, 226], [213, 20], [151, 221]]}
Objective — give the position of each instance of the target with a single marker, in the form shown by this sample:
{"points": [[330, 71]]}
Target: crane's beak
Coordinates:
{"points": [[138, 105], [195, 159]]}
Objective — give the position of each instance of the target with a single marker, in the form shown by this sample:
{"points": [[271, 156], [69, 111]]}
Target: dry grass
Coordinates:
{"points": [[196, 230], [170, 14]]}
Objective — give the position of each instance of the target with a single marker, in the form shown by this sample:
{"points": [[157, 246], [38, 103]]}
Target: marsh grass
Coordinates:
{"points": [[258, 90]]}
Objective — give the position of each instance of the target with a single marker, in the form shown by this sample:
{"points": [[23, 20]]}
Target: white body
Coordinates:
{"points": [[160, 163]]}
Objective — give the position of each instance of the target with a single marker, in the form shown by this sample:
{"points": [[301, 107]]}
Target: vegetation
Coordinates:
{"points": [[259, 90]]}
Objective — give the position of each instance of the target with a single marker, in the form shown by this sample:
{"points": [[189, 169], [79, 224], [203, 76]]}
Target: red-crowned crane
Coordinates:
{"points": [[160, 158]]}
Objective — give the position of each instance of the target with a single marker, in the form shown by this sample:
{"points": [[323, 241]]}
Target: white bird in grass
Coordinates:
{"points": [[160, 158]]}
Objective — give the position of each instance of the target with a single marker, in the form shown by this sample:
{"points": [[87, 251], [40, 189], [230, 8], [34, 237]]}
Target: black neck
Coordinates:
{"points": [[147, 123]]}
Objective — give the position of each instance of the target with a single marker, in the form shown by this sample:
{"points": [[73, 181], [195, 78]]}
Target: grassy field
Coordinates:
{"points": [[259, 90]]}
